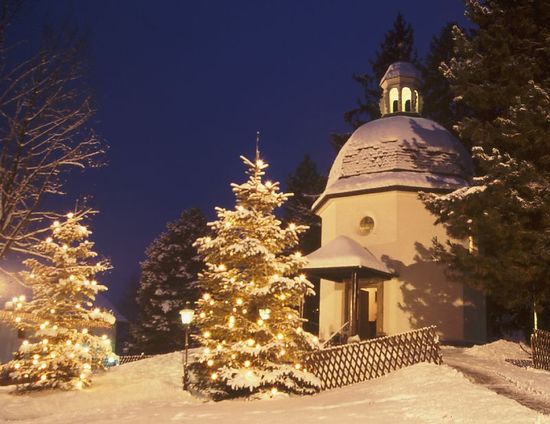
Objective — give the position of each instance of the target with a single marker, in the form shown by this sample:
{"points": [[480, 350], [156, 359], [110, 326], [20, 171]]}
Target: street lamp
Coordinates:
{"points": [[186, 318]]}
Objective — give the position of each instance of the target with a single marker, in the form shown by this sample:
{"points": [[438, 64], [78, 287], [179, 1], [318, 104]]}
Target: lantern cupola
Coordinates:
{"points": [[400, 90]]}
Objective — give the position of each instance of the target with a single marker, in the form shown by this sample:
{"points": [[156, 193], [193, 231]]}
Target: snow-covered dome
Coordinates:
{"points": [[401, 150], [398, 151]]}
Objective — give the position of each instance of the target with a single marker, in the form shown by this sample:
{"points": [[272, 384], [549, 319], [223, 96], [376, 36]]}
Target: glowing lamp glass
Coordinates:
{"points": [[187, 315]]}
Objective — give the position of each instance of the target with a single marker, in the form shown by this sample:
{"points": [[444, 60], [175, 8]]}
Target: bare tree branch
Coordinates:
{"points": [[45, 115]]}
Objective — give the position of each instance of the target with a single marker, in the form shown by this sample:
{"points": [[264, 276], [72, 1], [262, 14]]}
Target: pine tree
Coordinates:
{"points": [[168, 280], [60, 352], [307, 184], [504, 214], [500, 76], [438, 103], [398, 45], [251, 332]]}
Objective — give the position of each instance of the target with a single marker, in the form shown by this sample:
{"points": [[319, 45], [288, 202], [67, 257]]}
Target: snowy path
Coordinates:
{"points": [[487, 366]]}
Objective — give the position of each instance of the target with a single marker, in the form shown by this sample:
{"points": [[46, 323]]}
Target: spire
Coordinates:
{"points": [[257, 146]]}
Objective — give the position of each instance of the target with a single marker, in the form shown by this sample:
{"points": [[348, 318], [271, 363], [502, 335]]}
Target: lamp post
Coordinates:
{"points": [[186, 315]]}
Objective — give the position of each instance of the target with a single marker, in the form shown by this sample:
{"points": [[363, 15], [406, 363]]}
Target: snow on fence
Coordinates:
{"points": [[540, 344], [355, 362]]}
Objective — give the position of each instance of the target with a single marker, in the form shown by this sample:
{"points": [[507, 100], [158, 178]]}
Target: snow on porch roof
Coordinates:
{"points": [[343, 253]]}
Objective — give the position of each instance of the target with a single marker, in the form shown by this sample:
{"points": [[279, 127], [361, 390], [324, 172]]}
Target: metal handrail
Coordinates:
{"points": [[339, 331]]}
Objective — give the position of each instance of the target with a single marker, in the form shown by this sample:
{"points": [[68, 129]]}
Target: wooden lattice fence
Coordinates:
{"points": [[355, 362], [132, 358], [540, 345]]}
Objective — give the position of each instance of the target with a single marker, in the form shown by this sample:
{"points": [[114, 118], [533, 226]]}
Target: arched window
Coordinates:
{"points": [[416, 102], [406, 99], [394, 100]]}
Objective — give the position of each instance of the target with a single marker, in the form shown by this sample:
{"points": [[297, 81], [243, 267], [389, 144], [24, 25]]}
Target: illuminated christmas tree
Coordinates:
{"points": [[60, 352], [250, 327]]}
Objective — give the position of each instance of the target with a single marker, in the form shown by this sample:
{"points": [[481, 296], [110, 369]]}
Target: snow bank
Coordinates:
{"points": [[150, 391]]}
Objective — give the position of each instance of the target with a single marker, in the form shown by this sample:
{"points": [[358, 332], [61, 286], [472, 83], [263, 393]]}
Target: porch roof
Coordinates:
{"points": [[337, 259]]}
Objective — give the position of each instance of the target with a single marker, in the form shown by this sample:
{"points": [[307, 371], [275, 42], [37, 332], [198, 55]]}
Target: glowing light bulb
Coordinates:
{"points": [[18, 319], [280, 336], [233, 356], [250, 342], [70, 215], [206, 296], [297, 366], [274, 391], [49, 240], [282, 351], [222, 267], [292, 227], [202, 315], [43, 377], [214, 376], [84, 331], [206, 334], [17, 365], [210, 362], [260, 322], [239, 301], [247, 363], [56, 223]]}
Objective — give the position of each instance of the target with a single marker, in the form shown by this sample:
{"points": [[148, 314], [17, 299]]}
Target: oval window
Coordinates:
{"points": [[366, 225]]}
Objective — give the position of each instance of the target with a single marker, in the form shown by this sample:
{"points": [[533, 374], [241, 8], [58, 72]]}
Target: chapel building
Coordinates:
{"points": [[378, 275]]}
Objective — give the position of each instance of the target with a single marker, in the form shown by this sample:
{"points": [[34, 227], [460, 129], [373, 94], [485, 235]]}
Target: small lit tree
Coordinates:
{"points": [[251, 331], [60, 351]]}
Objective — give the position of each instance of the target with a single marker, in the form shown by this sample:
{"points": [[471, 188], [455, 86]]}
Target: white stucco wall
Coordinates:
{"points": [[420, 295]]}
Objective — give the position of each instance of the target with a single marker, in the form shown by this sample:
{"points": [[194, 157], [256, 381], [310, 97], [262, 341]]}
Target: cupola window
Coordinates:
{"points": [[416, 102], [394, 100], [406, 99]]}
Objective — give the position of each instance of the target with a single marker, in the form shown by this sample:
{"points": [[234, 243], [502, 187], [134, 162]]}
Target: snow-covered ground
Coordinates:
{"points": [[150, 391], [490, 360]]}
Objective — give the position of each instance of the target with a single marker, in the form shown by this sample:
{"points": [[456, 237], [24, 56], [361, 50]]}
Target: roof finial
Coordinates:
{"points": [[257, 146]]}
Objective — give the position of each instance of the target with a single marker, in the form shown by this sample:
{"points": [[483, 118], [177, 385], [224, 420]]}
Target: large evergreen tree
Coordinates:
{"points": [[398, 45], [500, 74], [251, 331], [60, 352], [168, 280]]}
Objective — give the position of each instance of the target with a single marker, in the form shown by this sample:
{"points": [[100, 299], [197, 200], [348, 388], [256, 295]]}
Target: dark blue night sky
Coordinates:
{"points": [[182, 87]]}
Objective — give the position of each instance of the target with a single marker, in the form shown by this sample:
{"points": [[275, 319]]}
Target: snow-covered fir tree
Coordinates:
{"points": [[251, 333], [168, 280], [60, 351]]}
